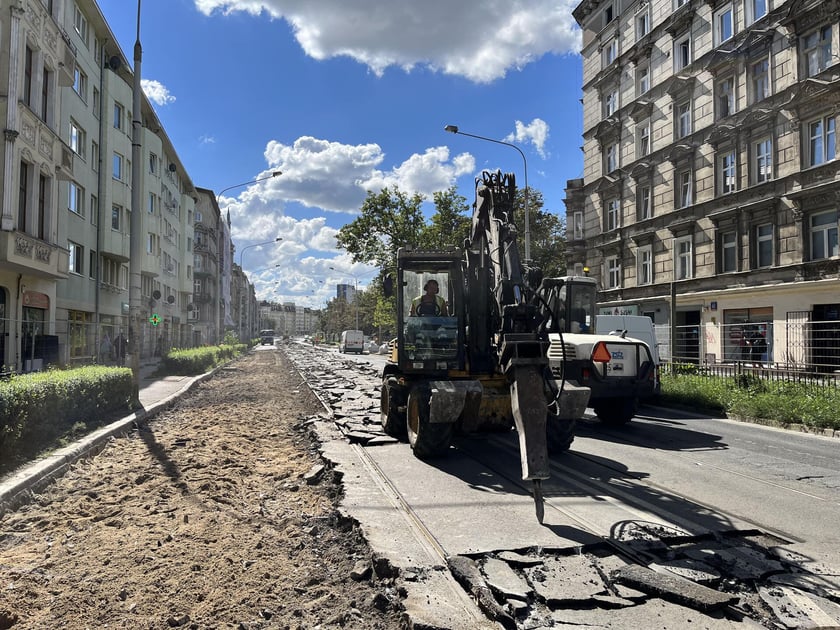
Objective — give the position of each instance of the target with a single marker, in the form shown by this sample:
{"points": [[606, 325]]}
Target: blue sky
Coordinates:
{"points": [[346, 96]]}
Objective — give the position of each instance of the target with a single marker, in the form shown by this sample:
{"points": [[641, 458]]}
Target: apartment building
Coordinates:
{"points": [[711, 188], [207, 310], [66, 182]]}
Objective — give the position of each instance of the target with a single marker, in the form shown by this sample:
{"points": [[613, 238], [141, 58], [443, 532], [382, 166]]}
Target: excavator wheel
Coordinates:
{"points": [[391, 398], [427, 439], [560, 433], [616, 411]]}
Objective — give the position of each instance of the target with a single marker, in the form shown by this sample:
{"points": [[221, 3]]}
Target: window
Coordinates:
{"points": [[643, 22], [94, 210], [682, 53], [94, 156], [764, 245], [611, 158], [683, 119], [756, 9], [119, 114], [823, 228], [642, 80], [723, 25], [116, 217], [92, 264], [611, 103], [728, 252], [80, 25], [816, 48], [118, 166], [152, 243], [726, 97], [610, 52], [76, 199], [726, 172], [198, 216], [78, 139], [643, 139], [760, 80], [152, 203], [821, 141], [680, 3], [683, 257], [153, 163], [613, 279], [46, 81], [763, 160], [609, 14], [96, 100], [28, 62], [76, 257], [80, 83], [644, 209], [684, 188], [612, 215], [578, 226], [644, 258]]}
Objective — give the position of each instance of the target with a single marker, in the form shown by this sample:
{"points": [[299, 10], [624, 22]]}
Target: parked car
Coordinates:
{"points": [[267, 337]]}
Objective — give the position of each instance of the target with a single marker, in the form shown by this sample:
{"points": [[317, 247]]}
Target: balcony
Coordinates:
{"points": [[28, 255]]}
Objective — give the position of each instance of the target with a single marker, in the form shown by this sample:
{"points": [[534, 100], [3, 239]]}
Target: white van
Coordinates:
{"points": [[634, 326], [352, 341]]}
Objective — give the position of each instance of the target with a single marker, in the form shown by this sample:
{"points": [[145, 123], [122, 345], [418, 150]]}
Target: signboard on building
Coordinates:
{"points": [[624, 309], [33, 299]]}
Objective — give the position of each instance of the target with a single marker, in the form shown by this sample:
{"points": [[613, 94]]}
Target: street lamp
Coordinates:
{"points": [[454, 129], [253, 181], [242, 253], [219, 274]]}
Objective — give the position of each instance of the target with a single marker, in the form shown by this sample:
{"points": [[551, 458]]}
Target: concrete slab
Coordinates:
{"points": [[674, 588], [568, 582], [503, 580], [800, 609]]}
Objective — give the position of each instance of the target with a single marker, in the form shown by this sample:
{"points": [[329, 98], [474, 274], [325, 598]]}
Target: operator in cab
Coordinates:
{"points": [[430, 303]]}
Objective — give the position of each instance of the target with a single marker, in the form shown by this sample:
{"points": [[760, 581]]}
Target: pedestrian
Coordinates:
{"points": [[120, 344], [105, 349], [758, 346]]}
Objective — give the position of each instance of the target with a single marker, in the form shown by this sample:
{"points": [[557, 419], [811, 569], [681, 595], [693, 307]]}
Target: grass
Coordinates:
{"points": [[748, 396]]}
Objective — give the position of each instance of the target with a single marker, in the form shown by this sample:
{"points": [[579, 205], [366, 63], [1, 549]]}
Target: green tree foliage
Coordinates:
{"points": [[387, 220], [450, 225], [548, 233]]}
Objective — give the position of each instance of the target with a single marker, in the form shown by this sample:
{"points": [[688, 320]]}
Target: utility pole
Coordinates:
{"points": [[135, 242]]}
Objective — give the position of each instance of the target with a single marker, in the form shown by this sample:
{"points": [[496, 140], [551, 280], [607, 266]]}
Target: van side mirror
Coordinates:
{"points": [[388, 286]]}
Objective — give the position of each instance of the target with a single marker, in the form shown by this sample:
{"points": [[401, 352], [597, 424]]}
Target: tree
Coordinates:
{"points": [[387, 220], [450, 225], [548, 233]]}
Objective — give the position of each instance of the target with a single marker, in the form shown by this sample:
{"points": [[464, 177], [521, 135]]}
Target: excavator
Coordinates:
{"points": [[482, 363]]}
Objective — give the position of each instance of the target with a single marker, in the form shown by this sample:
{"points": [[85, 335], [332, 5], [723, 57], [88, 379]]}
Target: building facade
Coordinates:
{"points": [[66, 184], [711, 184]]}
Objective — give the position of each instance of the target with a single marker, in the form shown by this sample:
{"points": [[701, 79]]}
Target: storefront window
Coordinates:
{"points": [[748, 335]]}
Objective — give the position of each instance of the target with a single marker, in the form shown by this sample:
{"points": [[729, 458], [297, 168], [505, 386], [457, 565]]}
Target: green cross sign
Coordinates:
{"points": [[154, 319]]}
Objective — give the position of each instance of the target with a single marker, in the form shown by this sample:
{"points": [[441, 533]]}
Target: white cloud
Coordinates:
{"points": [[478, 39], [207, 139], [536, 132], [156, 92], [327, 176]]}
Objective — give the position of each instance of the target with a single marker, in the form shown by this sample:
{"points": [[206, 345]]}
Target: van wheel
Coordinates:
{"points": [[391, 398], [616, 411], [427, 439]]}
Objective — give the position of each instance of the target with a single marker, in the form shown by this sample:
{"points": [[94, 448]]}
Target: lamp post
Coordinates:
{"points": [[454, 129], [135, 242], [243, 292], [219, 322]]}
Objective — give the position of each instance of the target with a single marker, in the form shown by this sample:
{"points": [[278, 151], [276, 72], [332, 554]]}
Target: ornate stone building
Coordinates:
{"points": [[711, 181]]}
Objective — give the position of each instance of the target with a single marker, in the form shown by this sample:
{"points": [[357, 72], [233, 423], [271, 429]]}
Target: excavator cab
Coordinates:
{"points": [[430, 309]]}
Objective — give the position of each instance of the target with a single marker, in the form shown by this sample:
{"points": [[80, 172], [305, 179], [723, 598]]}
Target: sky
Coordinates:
{"points": [[350, 96]]}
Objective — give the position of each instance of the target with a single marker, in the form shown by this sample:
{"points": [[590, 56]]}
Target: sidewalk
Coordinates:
{"points": [[156, 394]]}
